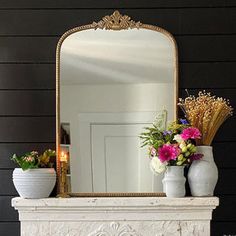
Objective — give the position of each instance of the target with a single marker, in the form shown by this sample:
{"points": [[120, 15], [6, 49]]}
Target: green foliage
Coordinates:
{"points": [[156, 136], [44, 159], [25, 162], [32, 160], [177, 128], [152, 137]]}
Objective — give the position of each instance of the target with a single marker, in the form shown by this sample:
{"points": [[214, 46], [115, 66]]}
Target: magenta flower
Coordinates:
{"points": [[168, 152], [196, 156], [190, 133]]}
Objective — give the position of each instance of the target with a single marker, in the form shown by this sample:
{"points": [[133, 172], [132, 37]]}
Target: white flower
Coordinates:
{"points": [[178, 138], [157, 166]]}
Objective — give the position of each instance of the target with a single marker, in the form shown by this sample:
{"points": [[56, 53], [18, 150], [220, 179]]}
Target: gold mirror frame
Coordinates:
{"points": [[116, 21]]}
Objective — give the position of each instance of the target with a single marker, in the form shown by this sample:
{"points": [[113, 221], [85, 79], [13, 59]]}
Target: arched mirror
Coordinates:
{"points": [[114, 78]]}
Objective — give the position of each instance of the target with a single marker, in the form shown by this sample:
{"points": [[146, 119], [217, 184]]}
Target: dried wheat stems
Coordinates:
{"points": [[207, 113]]}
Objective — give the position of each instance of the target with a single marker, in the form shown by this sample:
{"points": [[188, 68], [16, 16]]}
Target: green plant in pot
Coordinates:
{"points": [[36, 176]]}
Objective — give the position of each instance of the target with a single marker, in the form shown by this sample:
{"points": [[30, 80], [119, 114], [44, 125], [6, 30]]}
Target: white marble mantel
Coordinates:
{"points": [[115, 216]]}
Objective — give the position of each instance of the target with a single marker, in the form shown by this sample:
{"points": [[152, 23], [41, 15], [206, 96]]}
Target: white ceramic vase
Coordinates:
{"points": [[203, 174], [34, 183], [174, 181]]}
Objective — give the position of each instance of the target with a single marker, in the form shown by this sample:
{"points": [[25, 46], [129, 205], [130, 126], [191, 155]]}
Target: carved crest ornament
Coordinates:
{"points": [[116, 21], [114, 229]]}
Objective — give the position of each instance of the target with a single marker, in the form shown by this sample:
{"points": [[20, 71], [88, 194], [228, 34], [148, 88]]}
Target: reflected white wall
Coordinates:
{"points": [[109, 98]]}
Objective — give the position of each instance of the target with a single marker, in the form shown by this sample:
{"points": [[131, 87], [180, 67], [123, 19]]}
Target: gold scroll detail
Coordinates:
{"points": [[116, 21]]}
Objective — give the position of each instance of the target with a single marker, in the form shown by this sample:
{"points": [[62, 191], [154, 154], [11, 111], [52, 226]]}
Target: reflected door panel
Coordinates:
{"points": [[123, 165], [110, 158]]}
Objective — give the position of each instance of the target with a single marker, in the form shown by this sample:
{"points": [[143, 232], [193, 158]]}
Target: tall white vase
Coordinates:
{"points": [[203, 174], [174, 181]]}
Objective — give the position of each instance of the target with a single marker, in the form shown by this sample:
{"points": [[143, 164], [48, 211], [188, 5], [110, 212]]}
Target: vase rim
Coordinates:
{"points": [[176, 166], [204, 146], [34, 169]]}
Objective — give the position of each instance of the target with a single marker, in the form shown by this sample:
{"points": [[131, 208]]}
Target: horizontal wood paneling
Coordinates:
{"points": [[226, 210], [7, 187], [223, 228], [8, 149], [193, 75], [27, 129], [177, 21], [7, 213], [191, 48], [23, 76], [113, 4], [224, 154], [37, 103], [206, 48], [41, 49], [207, 75], [9, 228], [225, 185]]}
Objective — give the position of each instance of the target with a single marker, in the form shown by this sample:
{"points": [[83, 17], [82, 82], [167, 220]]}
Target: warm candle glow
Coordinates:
{"points": [[63, 157]]}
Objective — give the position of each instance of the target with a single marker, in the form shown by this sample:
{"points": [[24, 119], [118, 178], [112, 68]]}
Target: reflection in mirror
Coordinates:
{"points": [[112, 85]]}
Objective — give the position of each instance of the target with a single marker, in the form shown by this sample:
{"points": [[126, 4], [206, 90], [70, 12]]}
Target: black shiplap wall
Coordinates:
{"points": [[205, 31]]}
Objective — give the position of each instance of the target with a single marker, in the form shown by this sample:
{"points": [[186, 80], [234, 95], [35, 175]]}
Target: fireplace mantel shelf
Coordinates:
{"points": [[112, 216]]}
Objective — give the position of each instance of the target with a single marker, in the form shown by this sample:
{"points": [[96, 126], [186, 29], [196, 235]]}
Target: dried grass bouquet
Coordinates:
{"points": [[207, 113]]}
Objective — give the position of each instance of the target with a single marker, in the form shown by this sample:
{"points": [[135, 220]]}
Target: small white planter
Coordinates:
{"points": [[34, 183], [203, 174], [174, 181]]}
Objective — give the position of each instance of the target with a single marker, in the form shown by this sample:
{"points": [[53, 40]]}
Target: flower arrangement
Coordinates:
{"points": [[207, 113], [174, 146], [33, 160]]}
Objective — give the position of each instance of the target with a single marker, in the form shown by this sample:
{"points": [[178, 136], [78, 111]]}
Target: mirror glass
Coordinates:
{"points": [[113, 83]]}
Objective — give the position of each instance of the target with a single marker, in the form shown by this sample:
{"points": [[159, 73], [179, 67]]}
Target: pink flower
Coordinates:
{"points": [[190, 133], [168, 152], [196, 156], [29, 159]]}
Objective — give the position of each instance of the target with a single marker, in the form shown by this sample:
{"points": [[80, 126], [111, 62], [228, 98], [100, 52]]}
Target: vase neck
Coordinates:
{"points": [[207, 151], [175, 169]]}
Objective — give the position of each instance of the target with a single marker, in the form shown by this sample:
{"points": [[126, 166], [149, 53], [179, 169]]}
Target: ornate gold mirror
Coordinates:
{"points": [[114, 78]]}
